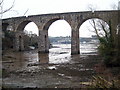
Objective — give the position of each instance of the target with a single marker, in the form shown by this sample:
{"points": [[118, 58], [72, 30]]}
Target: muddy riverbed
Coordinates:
{"points": [[58, 69]]}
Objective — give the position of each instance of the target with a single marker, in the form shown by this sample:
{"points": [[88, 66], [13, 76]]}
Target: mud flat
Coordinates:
{"points": [[54, 70]]}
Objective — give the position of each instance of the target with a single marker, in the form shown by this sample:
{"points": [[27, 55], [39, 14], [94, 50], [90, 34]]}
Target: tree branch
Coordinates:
{"points": [[1, 2], [4, 11]]}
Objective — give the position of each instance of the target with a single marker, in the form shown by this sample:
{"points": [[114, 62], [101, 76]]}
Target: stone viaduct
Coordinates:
{"points": [[75, 20]]}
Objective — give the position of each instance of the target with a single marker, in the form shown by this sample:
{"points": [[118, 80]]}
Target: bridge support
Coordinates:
{"points": [[118, 42], [75, 42], [43, 41], [19, 42], [16, 44]]}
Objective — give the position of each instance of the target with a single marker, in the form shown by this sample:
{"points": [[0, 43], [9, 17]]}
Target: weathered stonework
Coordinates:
{"points": [[75, 20], [43, 42], [19, 45]]}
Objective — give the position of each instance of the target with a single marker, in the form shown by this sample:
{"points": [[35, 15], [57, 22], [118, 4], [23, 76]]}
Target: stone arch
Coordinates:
{"points": [[19, 42], [44, 45], [93, 17], [49, 22], [83, 21], [22, 25], [88, 18], [47, 25]]}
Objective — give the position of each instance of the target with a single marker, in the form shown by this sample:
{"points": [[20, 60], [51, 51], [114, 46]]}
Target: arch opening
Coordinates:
{"points": [[29, 31], [59, 34], [59, 28], [89, 33]]}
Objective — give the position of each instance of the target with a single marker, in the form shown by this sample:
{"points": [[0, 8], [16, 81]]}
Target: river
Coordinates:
{"points": [[61, 53]]}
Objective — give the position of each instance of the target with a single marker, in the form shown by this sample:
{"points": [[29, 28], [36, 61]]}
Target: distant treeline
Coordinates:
{"points": [[67, 39]]}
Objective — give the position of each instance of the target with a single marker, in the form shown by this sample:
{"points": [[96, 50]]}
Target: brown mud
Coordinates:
{"points": [[20, 72]]}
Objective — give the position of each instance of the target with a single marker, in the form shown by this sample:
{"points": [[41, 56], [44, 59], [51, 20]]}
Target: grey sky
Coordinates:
{"points": [[54, 6]]}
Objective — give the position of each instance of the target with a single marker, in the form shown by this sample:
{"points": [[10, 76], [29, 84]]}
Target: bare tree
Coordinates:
{"points": [[92, 7], [115, 6], [2, 11], [101, 28], [107, 41]]}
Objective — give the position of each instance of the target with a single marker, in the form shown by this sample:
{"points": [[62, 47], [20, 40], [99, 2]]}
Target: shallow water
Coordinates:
{"points": [[60, 54]]}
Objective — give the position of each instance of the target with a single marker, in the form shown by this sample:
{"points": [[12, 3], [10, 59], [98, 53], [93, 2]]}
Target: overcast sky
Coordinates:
{"points": [[54, 6], [33, 7]]}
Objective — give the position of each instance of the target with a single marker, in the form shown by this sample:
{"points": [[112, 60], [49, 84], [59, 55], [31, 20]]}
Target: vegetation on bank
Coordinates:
{"points": [[9, 36], [7, 39], [108, 42], [101, 82]]}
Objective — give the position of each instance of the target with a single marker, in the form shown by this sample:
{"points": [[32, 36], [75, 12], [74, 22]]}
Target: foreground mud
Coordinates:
{"points": [[76, 72]]}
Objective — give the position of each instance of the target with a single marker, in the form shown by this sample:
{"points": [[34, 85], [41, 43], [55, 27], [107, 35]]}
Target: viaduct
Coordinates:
{"points": [[75, 20]]}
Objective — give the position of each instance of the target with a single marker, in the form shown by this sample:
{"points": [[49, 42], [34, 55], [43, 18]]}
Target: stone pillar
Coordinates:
{"points": [[75, 41], [43, 46], [118, 44], [119, 29], [19, 42], [16, 43], [46, 41]]}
